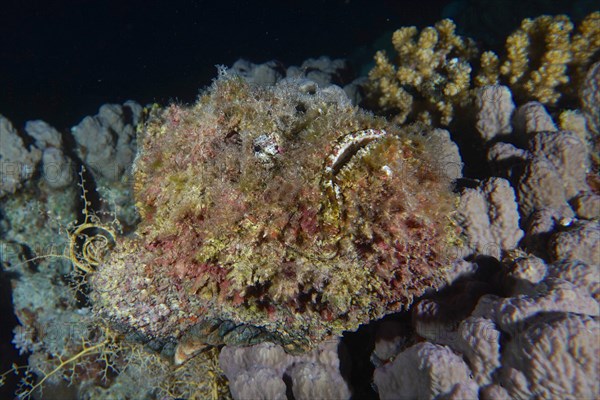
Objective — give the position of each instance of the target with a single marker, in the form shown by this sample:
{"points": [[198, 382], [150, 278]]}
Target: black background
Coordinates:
{"points": [[61, 59]]}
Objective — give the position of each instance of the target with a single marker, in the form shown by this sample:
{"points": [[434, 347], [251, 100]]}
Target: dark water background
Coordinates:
{"points": [[61, 59]]}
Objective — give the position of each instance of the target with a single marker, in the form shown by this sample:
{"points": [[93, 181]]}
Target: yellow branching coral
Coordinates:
{"points": [[585, 48], [553, 35], [543, 56], [488, 69], [431, 77]]}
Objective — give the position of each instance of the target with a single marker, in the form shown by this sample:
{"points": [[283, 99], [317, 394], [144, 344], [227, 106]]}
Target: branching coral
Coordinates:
{"points": [[431, 77], [283, 208], [544, 58]]}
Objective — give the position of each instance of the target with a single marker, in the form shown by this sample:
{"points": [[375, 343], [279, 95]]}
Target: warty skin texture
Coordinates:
{"points": [[282, 208]]}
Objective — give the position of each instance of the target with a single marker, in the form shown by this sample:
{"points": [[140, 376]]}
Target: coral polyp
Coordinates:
{"points": [[281, 208]]}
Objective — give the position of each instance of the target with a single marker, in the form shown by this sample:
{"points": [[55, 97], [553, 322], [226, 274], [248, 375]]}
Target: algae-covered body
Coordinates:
{"points": [[284, 208]]}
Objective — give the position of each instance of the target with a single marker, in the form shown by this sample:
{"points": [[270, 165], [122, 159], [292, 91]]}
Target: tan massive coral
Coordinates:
{"points": [[259, 371], [424, 371], [490, 217], [553, 356]]}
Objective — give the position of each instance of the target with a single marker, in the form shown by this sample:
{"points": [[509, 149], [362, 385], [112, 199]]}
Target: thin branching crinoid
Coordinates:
{"points": [[90, 241], [99, 353]]}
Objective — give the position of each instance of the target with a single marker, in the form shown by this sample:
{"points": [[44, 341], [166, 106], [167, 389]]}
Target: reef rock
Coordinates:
{"points": [[17, 162]]}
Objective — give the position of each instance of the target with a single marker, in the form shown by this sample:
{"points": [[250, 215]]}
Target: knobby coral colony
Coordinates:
{"points": [[430, 78], [283, 208]]}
